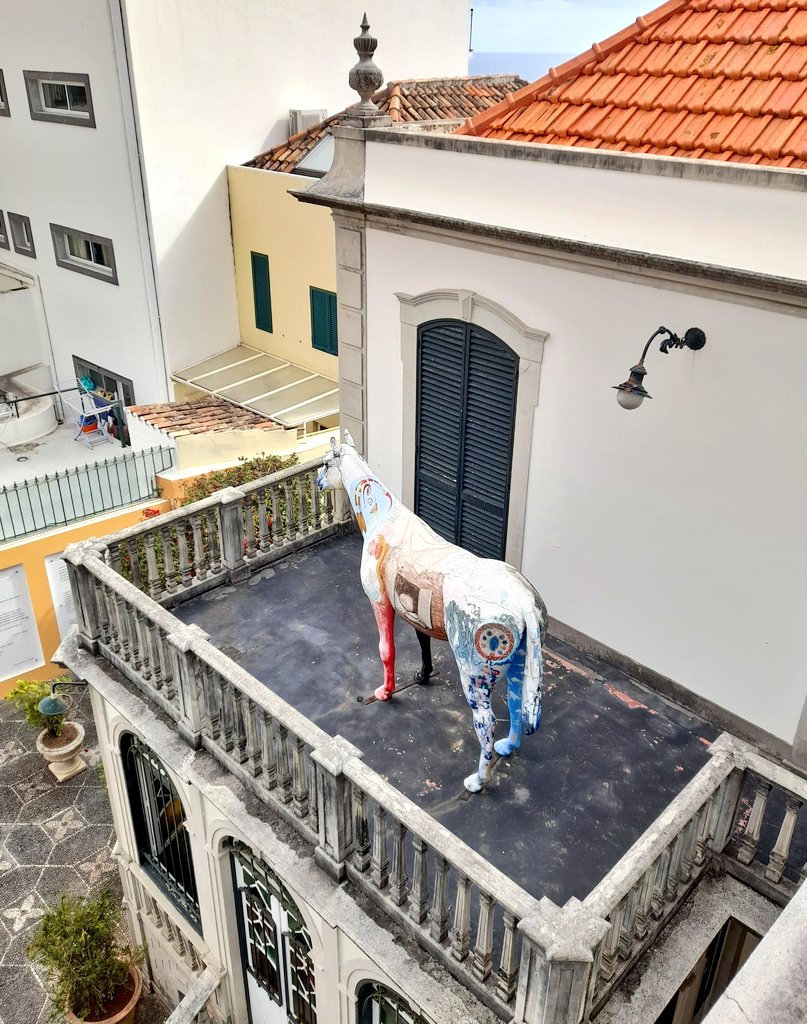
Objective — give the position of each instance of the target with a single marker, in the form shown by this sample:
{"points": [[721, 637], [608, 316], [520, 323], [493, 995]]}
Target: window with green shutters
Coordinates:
{"points": [[261, 292], [323, 321]]}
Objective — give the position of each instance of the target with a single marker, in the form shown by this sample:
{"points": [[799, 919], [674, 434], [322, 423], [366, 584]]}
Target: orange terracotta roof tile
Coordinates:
{"points": [[428, 99], [202, 416], [708, 79]]}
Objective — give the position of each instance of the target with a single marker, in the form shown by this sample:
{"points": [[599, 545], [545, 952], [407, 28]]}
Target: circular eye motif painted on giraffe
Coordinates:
{"points": [[494, 642]]}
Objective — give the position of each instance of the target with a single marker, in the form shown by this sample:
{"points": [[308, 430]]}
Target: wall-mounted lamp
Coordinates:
{"points": [[631, 394]]}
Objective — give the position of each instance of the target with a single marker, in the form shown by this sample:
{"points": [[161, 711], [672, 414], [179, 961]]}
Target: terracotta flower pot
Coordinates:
{"points": [[126, 1014], [61, 752]]}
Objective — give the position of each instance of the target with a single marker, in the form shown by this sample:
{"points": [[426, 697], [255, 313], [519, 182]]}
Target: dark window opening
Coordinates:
{"points": [[261, 292], [105, 380], [159, 823], [377, 1004]]}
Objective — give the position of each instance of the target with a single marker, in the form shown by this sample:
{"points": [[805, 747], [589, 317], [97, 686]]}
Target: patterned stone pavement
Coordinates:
{"points": [[54, 839]]}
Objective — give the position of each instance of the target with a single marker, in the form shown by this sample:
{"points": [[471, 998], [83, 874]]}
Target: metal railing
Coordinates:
{"points": [[529, 960], [64, 497]]}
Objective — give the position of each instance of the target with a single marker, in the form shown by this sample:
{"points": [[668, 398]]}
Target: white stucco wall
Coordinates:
{"points": [[674, 533], [686, 217], [78, 177], [214, 86]]}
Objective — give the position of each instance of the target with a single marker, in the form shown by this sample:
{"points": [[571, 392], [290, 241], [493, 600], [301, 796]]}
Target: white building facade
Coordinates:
{"points": [[117, 122], [572, 259]]}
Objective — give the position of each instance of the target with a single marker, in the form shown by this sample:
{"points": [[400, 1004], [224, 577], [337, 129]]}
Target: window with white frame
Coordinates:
{"points": [[4, 111], [61, 97], [3, 233], [377, 1004], [21, 236], [88, 254]]}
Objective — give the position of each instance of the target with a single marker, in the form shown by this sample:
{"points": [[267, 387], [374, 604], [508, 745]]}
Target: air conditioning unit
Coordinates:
{"points": [[299, 120]]}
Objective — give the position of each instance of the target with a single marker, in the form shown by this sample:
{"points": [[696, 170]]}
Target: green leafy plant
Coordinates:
{"points": [[26, 696], [85, 963], [245, 472]]}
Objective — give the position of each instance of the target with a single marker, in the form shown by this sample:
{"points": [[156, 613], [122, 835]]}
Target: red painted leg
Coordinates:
{"points": [[385, 619]]}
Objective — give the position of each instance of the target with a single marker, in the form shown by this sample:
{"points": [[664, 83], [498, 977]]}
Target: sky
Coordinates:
{"points": [[550, 26]]}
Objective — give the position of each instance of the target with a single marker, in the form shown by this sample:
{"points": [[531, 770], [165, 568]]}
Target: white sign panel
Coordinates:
{"points": [[60, 593], [20, 649]]}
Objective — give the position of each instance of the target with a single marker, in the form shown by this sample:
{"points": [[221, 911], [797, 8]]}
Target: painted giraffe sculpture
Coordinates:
{"points": [[490, 614]]}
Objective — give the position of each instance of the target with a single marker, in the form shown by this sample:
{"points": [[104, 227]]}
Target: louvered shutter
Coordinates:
{"points": [[490, 407], [467, 386], [261, 291], [441, 385], [323, 321]]}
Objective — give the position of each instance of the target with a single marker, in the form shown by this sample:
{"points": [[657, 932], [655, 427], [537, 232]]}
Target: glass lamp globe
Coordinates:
{"points": [[629, 399]]}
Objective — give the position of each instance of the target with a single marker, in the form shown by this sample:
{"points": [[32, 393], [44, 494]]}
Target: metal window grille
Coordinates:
{"points": [[377, 1004], [279, 959], [60, 498], [159, 822]]}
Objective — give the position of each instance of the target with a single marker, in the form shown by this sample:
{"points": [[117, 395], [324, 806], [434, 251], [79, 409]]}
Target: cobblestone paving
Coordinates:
{"points": [[54, 839]]}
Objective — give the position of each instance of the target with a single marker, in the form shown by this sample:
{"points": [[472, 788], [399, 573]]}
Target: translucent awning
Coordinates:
{"points": [[266, 384], [10, 284]]}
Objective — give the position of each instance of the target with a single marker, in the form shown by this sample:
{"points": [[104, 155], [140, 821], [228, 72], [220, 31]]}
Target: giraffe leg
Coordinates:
{"points": [[385, 619], [515, 677], [426, 667], [477, 688]]}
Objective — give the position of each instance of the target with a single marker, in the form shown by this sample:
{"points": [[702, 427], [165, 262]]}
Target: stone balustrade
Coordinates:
{"points": [[529, 960]]}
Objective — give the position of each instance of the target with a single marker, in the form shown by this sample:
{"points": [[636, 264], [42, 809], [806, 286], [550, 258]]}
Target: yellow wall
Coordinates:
{"points": [[31, 554], [298, 238]]}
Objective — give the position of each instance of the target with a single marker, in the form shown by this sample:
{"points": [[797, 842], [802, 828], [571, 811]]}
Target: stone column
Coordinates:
{"points": [[83, 589], [231, 512], [557, 957], [190, 685], [334, 802]]}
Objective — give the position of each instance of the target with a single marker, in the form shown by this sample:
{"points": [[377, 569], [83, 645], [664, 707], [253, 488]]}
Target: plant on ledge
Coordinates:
{"points": [[91, 976], [26, 696]]}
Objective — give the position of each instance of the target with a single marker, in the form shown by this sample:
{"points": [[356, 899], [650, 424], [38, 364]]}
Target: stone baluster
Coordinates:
{"points": [[380, 861], [747, 847], [264, 534], [213, 543], [507, 975], [419, 895], [113, 553], [157, 672], [239, 732], [361, 831], [104, 626], [313, 802], [122, 620], [334, 806], [185, 561], [289, 492], [299, 802], [250, 543], [277, 531], [305, 512], [399, 881], [483, 950], [557, 959], [253, 742], [155, 586], [688, 841], [438, 915], [167, 541], [724, 813], [703, 831], [146, 653], [781, 850], [135, 638], [112, 617], [268, 761], [644, 904], [460, 934], [284, 776], [199, 560], [231, 510], [627, 928], [315, 497], [133, 546], [675, 868], [327, 514], [610, 944]]}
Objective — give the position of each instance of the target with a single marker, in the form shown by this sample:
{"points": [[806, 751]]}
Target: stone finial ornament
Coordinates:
{"points": [[365, 77], [490, 614]]}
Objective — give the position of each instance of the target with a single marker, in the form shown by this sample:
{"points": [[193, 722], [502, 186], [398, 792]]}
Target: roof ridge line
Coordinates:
{"points": [[563, 72]]}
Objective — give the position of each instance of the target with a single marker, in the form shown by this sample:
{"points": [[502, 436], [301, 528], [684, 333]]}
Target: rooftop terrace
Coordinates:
{"points": [[607, 760]]}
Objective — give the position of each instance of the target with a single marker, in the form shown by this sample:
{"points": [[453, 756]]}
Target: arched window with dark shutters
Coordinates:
{"points": [[158, 817], [466, 407]]}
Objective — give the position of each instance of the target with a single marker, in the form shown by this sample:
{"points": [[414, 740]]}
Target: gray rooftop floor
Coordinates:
{"points": [[608, 758]]}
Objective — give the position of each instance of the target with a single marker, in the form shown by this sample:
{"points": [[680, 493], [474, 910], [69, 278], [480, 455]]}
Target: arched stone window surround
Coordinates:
{"points": [[528, 345], [360, 992]]}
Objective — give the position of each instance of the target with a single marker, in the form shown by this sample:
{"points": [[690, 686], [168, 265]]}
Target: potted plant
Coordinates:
{"points": [[59, 741], [91, 975]]}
